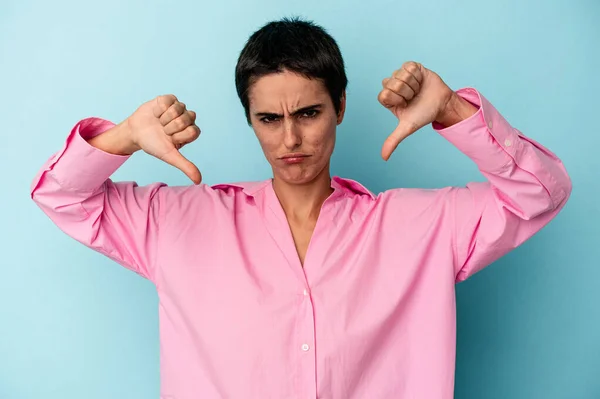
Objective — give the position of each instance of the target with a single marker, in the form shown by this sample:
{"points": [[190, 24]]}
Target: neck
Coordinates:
{"points": [[302, 202]]}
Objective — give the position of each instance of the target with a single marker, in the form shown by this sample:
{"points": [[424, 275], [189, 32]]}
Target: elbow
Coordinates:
{"points": [[36, 194], [564, 188], [538, 200], [555, 189], [37, 187], [58, 204], [568, 185]]}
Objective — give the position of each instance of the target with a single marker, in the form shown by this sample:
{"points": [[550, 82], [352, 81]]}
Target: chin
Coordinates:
{"points": [[297, 175]]}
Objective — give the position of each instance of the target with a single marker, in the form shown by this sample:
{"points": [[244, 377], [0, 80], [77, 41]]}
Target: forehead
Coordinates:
{"points": [[286, 89]]}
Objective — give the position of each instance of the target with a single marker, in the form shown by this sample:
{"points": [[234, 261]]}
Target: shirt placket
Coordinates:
{"points": [[313, 266], [304, 342], [306, 346]]}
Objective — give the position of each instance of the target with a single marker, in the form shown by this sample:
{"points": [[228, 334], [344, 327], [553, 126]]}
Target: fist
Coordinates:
{"points": [[417, 97], [161, 127]]}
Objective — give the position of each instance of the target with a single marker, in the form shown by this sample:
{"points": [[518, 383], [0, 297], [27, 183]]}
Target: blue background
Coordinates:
{"points": [[76, 325]]}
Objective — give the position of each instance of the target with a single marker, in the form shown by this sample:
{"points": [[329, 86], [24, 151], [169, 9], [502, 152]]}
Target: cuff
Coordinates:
{"points": [[485, 137], [81, 167]]}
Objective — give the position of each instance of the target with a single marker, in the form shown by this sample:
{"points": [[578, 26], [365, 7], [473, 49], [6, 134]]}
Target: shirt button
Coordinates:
{"points": [[490, 124], [305, 347], [507, 142], [305, 292]]}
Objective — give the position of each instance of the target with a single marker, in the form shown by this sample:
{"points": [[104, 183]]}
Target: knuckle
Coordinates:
{"points": [[162, 108], [176, 110], [167, 99], [397, 84], [171, 113], [410, 65], [180, 123], [384, 97], [403, 75], [196, 132], [189, 134], [387, 96], [161, 104]]}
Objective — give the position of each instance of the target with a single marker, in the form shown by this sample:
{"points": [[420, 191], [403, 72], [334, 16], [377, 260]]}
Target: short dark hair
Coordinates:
{"points": [[295, 45]]}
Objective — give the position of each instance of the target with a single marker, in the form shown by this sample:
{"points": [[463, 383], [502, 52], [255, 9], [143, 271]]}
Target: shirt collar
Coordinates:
{"points": [[248, 188], [339, 184], [349, 186]]}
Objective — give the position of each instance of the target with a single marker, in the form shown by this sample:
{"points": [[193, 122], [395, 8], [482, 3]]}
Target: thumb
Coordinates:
{"points": [[402, 131], [176, 159]]}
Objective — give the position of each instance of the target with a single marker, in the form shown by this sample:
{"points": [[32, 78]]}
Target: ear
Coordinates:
{"points": [[340, 116]]}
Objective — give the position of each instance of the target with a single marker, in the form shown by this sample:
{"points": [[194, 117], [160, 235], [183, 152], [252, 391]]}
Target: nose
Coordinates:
{"points": [[292, 137]]}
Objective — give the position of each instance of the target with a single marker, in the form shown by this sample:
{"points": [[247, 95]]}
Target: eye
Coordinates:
{"points": [[310, 113], [269, 119]]}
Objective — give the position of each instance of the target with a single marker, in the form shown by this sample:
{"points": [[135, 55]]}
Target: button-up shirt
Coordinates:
{"points": [[370, 314]]}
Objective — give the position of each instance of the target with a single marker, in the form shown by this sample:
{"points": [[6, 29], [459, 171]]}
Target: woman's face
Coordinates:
{"points": [[295, 122]]}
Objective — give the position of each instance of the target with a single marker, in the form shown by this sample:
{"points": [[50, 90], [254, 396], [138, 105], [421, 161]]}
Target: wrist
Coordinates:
{"points": [[117, 140], [455, 110]]}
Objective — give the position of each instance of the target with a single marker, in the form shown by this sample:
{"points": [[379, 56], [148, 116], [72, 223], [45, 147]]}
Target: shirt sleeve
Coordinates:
{"points": [[527, 186], [119, 220]]}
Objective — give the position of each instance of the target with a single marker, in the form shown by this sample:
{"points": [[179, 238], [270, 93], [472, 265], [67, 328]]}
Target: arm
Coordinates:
{"points": [[119, 220], [526, 187]]}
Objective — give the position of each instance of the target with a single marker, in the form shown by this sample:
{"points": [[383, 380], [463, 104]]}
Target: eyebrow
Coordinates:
{"points": [[298, 111]]}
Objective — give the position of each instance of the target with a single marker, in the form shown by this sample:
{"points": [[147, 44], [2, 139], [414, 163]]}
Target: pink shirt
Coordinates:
{"points": [[372, 312]]}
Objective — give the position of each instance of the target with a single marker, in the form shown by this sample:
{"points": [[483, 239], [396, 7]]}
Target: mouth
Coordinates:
{"points": [[294, 158]]}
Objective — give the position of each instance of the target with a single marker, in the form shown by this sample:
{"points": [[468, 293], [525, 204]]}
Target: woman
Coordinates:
{"points": [[302, 285]]}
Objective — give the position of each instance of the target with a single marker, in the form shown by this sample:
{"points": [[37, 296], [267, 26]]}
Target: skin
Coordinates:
{"points": [[291, 114]]}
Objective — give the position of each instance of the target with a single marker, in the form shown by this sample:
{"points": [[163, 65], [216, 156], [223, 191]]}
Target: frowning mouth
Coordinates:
{"points": [[294, 158]]}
